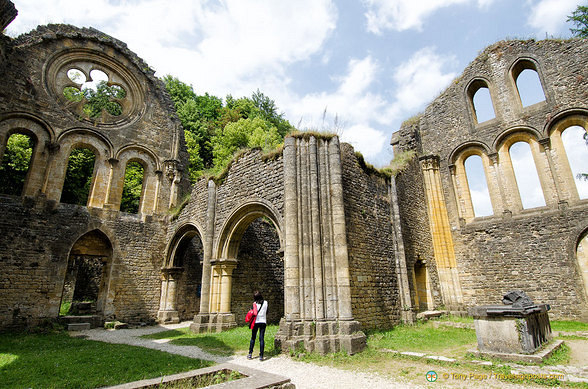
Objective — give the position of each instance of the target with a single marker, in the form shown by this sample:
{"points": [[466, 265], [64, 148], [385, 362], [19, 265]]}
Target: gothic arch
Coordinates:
{"points": [[471, 89], [561, 159], [41, 134], [462, 186], [75, 138], [187, 230], [151, 177], [518, 66], [181, 283], [236, 224], [88, 273]]}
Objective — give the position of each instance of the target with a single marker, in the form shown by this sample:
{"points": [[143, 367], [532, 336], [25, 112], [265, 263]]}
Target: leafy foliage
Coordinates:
{"points": [[99, 100], [250, 132], [78, 177], [215, 131], [579, 18], [132, 188], [15, 164]]}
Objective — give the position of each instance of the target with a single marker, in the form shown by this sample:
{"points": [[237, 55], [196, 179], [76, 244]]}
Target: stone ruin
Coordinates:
{"points": [[336, 247]]}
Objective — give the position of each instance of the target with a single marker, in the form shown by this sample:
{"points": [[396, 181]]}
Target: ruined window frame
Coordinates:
{"points": [[518, 66]]}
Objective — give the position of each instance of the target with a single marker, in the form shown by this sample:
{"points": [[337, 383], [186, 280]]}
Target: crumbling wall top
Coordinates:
{"points": [[7, 13]]}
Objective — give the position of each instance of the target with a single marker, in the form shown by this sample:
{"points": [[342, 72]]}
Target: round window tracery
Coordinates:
{"points": [[95, 88]]}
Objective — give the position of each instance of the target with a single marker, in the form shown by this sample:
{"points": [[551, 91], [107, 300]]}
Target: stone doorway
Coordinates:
{"points": [[421, 282], [582, 255], [181, 276], [260, 266], [86, 279]]}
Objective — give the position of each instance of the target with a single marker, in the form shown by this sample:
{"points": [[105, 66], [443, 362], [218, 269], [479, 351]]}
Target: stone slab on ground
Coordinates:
{"points": [[426, 315], [537, 357], [254, 379], [78, 326]]}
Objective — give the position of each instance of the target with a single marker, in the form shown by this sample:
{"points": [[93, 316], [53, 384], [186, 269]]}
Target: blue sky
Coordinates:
{"points": [[368, 65]]}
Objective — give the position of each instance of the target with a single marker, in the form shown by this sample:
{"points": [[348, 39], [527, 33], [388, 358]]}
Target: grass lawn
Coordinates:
{"points": [[423, 337], [231, 342], [568, 325], [57, 360]]}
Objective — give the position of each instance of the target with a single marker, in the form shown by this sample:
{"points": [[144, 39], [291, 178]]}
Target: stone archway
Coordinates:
{"points": [[225, 260], [582, 256], [86, 282], [260, 266], [181, 276]]}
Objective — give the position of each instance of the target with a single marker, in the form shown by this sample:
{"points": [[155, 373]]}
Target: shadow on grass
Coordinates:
{"points": [[60, 361], [165, 334], [210, 344]]}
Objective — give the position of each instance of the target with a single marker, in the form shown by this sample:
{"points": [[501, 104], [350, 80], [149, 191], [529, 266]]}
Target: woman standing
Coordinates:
{"points": [[260, 323]]}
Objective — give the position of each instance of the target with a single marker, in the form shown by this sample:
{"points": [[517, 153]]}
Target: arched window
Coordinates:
{"points": [[527, 81], [526, 175], [481, 101], [78, 177], [478, 186], [574, 139], [133, 187], [15, 164], [529, 87]]}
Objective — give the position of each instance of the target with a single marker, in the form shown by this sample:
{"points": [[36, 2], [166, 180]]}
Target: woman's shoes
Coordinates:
{"points": [[249, 356]]}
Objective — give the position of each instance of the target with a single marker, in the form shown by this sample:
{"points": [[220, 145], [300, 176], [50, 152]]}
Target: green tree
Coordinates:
{"points": [[210, 128], [245, 133], [133, 187], [15, 164], [78, 177], [579, 19]]}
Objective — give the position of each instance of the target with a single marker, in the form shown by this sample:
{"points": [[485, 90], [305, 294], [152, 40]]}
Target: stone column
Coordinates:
{"points": [[100, 184], [441, 234], [561, 169], [317, 283], [167, 306], [202, 319], [226, 281], [112, 164], [340, 232], [291, 259], [407, 313], [551, 179]]}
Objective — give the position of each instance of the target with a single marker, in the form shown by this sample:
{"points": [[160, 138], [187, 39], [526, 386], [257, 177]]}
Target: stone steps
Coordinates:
{"points": [[78, 323]]}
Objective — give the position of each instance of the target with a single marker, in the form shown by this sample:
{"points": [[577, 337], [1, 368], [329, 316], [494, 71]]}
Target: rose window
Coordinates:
{"points": [[94, 93], [95, 88]]}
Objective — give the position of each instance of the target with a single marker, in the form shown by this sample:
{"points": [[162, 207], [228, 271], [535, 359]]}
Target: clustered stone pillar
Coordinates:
{"points": [[316, 285], [167, 304], [441, 234]]}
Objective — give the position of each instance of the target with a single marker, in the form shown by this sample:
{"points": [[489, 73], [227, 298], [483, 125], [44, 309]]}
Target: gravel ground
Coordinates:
{"points": [[303, 375]]}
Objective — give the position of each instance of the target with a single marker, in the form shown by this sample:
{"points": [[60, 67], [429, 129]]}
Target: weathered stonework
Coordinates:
{"points": [[335, 248], [527, 249]]}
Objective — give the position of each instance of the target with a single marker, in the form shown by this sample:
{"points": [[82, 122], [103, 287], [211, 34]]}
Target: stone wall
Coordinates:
{"points": [[515, 248], [374, 285], [36, 244]]}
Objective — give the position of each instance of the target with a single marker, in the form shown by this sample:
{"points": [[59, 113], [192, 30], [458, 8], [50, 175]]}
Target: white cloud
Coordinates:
{"points": [[550, 15], [401, 15], [215, 46], [419, 80], [351, 101]]}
